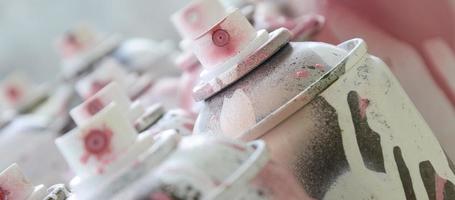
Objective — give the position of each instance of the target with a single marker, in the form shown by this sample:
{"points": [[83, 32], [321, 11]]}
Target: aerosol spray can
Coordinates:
{"points": [[334, 115]]}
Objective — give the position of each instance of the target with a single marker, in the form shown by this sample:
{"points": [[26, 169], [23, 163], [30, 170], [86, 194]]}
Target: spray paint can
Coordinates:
{"points": [[334, 115]]}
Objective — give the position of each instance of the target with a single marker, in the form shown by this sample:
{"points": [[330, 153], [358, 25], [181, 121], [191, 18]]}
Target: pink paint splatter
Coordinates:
{"points": [[319, 66], [97, 143], [4, 194], [13, 93], [302, 74], [94, 106], [363, 107]]}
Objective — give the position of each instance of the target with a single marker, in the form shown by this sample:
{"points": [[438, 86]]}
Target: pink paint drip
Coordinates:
{"points": [[440, 183]]}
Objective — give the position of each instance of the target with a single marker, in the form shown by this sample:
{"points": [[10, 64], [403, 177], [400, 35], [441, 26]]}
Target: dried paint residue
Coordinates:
{"points": [[302, 74]]}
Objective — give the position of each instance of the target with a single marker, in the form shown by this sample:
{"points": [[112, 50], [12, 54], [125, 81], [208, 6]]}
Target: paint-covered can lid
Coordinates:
{"points": [[277, 88], [82, 46], [113, 92], [18, 93], [106, 148]]}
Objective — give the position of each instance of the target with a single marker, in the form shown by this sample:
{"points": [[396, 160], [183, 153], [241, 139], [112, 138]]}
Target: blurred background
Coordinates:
{"points": [[28, 29]]}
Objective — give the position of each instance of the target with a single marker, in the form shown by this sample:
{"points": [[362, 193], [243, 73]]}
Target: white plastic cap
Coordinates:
{"points": [[89, 148], [111, 93], [227, 43], [109, 70], [197, 17]]}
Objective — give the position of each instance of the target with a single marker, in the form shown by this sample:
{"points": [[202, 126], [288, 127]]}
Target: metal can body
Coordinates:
{"points": [[346, 129]]}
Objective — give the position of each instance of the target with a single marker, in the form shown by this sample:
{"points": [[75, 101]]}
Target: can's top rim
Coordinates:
{"points": [[356, 49]]}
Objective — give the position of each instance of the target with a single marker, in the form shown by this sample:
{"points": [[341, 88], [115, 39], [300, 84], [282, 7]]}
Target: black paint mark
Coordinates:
{"points": [[449, 191], [368, 140], [323, 160], [405, 176], [429, 177]]}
